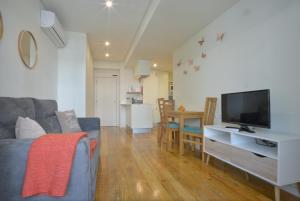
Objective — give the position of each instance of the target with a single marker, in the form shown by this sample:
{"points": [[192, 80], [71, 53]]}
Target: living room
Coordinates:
{"points": [[110, 62]]}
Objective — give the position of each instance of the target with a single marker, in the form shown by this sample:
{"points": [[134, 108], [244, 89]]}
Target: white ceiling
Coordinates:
{"points": [[172, 23], [118, 25]]}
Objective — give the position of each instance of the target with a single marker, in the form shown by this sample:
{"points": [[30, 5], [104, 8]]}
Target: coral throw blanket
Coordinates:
{"points": [[93, 146], [49, 164]]}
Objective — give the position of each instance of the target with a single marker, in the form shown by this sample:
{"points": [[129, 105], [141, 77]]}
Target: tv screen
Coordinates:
{"points": [[251, 108]]}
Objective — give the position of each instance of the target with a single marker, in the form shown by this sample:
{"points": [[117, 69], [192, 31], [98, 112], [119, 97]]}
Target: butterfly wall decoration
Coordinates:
{"points": [[190, 62], [201, 42], [179, 64], [196, 68], [220, 36]]}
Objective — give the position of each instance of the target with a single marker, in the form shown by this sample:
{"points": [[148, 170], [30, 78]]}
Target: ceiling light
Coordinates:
{"points": [[109, 3], [155, 65], [106, 54], [107, 43]]}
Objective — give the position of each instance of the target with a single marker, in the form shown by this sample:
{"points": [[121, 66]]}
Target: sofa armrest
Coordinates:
{"points": [[89, 124], [13, 161]]}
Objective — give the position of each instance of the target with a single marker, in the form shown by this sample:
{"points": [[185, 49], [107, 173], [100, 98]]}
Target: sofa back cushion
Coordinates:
{"points": [[68, 121], [43, 111], [10, 110], [45, 115]]}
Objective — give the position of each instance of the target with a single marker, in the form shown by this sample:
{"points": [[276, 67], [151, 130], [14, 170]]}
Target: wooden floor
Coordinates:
{"points": [[134, 168]]}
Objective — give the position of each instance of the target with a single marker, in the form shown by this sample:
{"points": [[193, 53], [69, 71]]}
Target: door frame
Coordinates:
{"points": [[108, 73]]}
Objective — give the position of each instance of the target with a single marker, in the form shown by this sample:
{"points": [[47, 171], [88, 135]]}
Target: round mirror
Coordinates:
{"points": [[1, 26], [28, 49]]}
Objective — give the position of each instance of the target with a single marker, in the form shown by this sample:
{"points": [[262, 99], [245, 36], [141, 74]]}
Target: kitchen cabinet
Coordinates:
{"points": [[139, 118]]}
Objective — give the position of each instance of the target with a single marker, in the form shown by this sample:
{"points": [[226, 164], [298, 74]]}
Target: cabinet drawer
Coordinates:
{"points": [[258, 164], [217, 149]]}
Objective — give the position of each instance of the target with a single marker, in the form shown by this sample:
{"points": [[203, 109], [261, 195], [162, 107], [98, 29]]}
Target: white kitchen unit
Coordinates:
{"points": [[278, 165], [139, 118]]}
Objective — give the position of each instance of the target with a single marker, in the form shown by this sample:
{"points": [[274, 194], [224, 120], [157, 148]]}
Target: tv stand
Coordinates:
{"points": [[278, 165]]}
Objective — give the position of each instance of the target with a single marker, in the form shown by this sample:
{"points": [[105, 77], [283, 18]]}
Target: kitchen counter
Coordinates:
{"points": [[139, 117]]}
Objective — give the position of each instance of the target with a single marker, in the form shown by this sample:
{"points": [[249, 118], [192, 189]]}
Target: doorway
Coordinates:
{"points": [[106, 97]]}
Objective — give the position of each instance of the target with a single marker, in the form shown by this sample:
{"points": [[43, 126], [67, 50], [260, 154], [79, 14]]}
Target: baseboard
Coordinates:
{"points": [[141, 130], [292, 189]]}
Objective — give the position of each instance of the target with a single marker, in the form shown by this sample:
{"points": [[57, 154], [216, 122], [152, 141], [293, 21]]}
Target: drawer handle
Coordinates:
{"points": [[261, 156], [212, 140]]}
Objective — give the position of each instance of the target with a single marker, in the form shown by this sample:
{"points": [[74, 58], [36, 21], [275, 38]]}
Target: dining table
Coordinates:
{"points": [[182, 116]]}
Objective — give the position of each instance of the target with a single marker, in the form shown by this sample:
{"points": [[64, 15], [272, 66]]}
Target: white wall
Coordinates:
{"points": [[16, 80], [260, 50], [127, 79], [89, 83], [72, 74], [155, 86], [163, 89]]}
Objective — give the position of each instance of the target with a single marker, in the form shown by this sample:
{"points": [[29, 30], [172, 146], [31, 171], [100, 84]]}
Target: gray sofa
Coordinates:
{"points": [[13, 152]]}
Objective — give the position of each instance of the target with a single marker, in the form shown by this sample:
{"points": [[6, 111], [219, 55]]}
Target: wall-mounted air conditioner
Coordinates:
{"points": [[52, 27], [142, 69]]}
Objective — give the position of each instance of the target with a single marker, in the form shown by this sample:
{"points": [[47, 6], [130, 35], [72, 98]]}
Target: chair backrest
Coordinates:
{"points": [[209, 111], [160, 102], [168, 105]]}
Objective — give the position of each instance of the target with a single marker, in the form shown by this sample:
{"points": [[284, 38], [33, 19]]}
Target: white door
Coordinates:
{"points": [[106, 100]]}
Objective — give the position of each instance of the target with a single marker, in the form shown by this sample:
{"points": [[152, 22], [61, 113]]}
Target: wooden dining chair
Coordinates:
{"points": [[160, 102], [170, 127], [194, 135]]}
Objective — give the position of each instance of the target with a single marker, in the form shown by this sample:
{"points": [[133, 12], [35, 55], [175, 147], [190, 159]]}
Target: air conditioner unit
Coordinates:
{"points": [[51, 26], [142, 69]]}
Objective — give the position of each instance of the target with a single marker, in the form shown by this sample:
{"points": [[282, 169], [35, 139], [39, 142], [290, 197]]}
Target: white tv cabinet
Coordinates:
{"points": [[277, 165]]}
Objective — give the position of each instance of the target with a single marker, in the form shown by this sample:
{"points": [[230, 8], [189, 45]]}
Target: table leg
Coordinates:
{"points": [[202, 149], [207, 159], [162, 139], [277, 193], [169, 133], [159, 133], [181, 126]]}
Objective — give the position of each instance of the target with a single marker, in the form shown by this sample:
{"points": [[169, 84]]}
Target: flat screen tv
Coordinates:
{"points": [[250, 108]]}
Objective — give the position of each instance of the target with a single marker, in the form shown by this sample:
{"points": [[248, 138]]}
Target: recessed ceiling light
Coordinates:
{"points": [[155, 65], [106, 54], [107, 43], [109, 3]]}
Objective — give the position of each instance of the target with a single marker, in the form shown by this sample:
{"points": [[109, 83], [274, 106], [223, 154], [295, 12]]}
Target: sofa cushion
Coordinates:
{"points": [[45, 115], [10, 110], [28, 128], [68, 121]]}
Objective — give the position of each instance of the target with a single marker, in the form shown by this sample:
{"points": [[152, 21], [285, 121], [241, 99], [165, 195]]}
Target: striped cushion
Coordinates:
{"points": [[195, 130]]}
